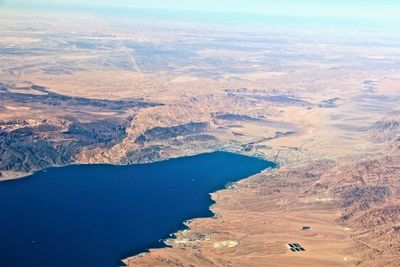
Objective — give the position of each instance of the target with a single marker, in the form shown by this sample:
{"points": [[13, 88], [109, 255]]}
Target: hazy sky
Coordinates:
{"points": [[387, 11]]}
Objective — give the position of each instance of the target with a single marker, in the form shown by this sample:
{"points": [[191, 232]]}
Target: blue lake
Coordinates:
{"points": [[96, 215]]}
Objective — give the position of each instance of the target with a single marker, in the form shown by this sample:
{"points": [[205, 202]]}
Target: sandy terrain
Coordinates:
{"points": [[351, 223], [327, 110]]}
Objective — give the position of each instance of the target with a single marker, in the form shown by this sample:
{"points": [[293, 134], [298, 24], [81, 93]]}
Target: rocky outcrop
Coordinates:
{"points": [[386, 130], [25, 147], [235, 117], [262, 95], [329, 103], [165, 133], [47, 98]]}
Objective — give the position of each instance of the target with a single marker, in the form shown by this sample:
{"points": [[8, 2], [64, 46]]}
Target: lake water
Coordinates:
{"points": [[96, 215]]}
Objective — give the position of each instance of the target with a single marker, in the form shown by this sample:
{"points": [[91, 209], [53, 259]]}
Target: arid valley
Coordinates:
{"points": [[325, 107]]}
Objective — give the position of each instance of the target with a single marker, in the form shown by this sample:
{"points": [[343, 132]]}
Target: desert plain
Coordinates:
{"points": [[324, 107]]}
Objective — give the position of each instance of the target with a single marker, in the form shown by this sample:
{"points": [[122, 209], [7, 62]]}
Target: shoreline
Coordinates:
{"points": [[185, 225], [242, 167], [14, 175], [174, 237], [202, 239], [11, 175], [251, 215]]}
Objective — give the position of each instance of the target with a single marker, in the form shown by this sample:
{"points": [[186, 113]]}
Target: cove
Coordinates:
{"points": [[96, 215]]}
